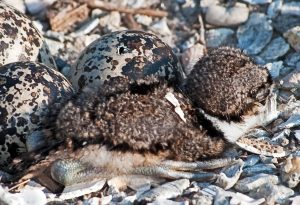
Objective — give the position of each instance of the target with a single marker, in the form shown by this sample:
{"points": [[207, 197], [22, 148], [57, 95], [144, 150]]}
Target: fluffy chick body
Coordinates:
{"points": [[144, 122]]}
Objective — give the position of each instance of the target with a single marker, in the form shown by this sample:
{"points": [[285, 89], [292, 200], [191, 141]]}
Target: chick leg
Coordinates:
{"points": [[68, 172]]}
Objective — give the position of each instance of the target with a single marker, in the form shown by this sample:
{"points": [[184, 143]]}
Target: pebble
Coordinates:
{"points": [[37, 6], [291, 8], [290, 171], [230, 175], [275, 68], [165, 191], [255, 2], [292, 80], [259, 168], [274, 8], [293, 59], [293, 121], [142, 19], [273, 193], [167, 202], [190, 41], [204, 4], [87, 27], [27, 196], [283, 23], [275, 49], [293, 37], [220, 37], [250, 183], [111, 22], [161, 27], [227, 16], [255, 34], [251, 160]]}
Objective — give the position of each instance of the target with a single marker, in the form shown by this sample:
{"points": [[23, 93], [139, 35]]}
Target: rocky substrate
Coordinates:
{"points": [[267, 30]]}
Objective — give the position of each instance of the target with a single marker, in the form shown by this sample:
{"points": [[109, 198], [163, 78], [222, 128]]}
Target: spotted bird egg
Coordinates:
{"points": [[20, 40], [28, 91], [129, 54]]}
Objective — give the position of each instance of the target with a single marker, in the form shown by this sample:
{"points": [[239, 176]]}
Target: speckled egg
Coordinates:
{"points": [[20, 40], [129, 54], [28, 91]]}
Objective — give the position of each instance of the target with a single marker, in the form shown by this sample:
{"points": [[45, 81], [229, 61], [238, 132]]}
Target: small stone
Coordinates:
{"points": [[293, 121], [54, 46], [295, 200], [143, 19], [255, 2], [283, 23], [274, 8], [204, 4], [290, 171], [293, 37], [292, 80], [98, 13], [37, 6], [259, 168], [190, 57], [274, 68], [227, 16], [251, 160], [192, 40], [293, 59], [167, 202], [230, 175], [111, 22], [220, 37], [165, 191], [291, 8], [255, 34], [161, 27], [250, 183], [273, 193], [87, 27], [275, 49]]}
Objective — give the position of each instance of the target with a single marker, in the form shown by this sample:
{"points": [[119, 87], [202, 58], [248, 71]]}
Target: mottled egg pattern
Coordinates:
{"points": [[130, 54], [27, 91], [20, 40]]}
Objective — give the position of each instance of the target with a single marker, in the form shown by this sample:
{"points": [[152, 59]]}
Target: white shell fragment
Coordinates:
{"points": [[172, 99], [249, 183], [165, 191]]}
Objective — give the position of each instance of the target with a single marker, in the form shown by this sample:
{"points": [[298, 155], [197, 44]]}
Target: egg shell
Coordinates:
{"points": [[28, 91], [20, 40], [129, 54]]}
